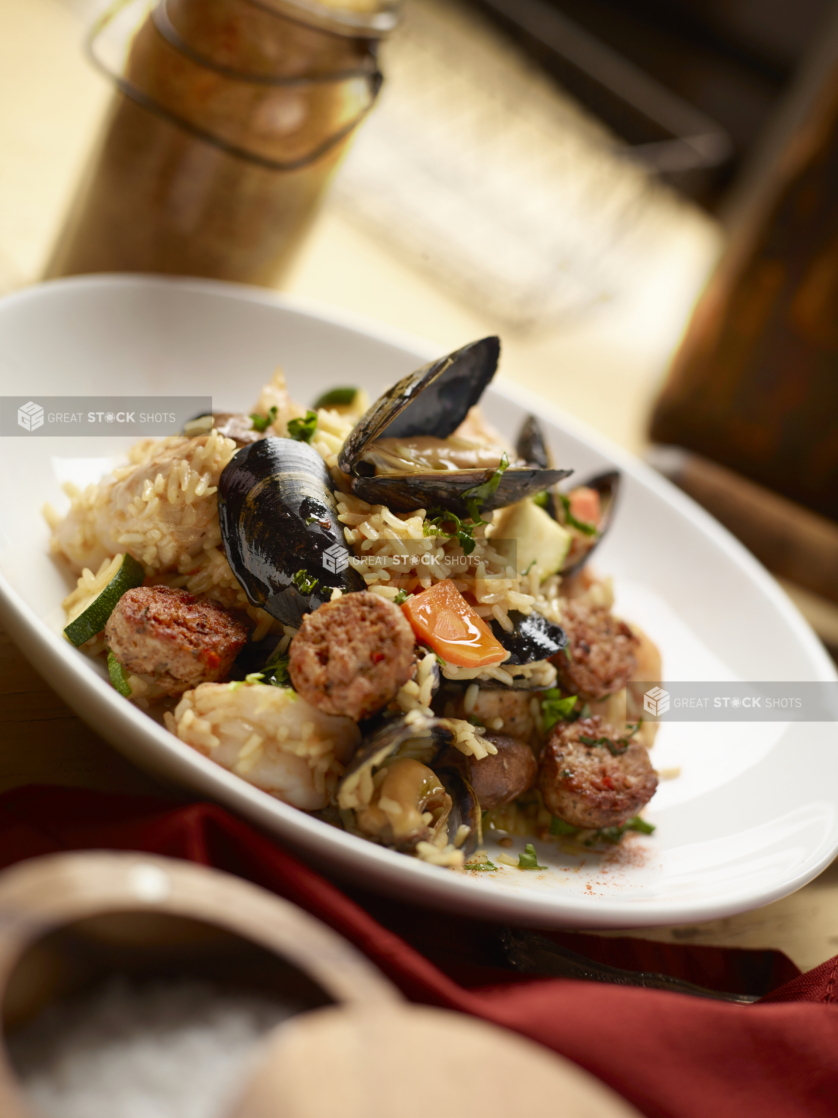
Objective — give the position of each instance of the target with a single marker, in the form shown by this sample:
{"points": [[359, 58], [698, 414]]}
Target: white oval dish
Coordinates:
{"points": [[753, 815]]}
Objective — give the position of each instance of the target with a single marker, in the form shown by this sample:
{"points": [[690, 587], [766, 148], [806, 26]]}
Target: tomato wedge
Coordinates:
{"points": [[443, 619], [585, 505]]}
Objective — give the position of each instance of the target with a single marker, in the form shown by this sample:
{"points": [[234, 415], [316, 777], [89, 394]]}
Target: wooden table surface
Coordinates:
{"points": [[603, 370]]}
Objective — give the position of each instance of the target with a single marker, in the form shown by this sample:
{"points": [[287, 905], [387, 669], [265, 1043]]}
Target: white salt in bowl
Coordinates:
{"points": [[139, 987]]}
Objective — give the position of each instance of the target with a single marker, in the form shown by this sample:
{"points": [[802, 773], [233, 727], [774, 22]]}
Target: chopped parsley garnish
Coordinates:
{"points": [[619, 745], [556, 708], [479, 494], [615, 748], [570, 519], [303, 429], [400, 598], [336, 398], [275, 670], [304, 583], [542, 499], [640, 825], [614, 834], [118, 678], [529, 860], [559, 827], [474, 498], [462, 532], [263, 422], [481, 867]]}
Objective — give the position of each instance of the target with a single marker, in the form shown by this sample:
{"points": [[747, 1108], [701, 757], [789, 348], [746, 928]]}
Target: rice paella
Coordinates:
{"points": [[382, 614]]}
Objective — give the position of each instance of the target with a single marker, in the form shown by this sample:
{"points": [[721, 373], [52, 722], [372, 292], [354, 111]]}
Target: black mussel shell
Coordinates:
{"points": [[396, 737], [434, 400], [533, 638], [608, 486], [531, 446], [429, 742], [279, 520], [451, 490], [465, 810]]}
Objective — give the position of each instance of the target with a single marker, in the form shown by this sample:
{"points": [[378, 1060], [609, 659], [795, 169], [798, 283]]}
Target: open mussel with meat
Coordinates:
{"points": [[585, 511], [403, 787], [404, 452], [280, 528]]}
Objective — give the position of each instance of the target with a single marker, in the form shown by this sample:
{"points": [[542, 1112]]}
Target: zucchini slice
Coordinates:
{"points": [[118, 677], [123, 573], [336, 398]]}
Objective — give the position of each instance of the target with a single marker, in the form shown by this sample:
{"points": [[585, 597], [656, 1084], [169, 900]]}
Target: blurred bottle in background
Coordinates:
{"points": [[228, 121], [755, 383]]}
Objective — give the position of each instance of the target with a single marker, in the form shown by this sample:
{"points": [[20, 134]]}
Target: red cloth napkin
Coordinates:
{"points": [[671, 1055]]}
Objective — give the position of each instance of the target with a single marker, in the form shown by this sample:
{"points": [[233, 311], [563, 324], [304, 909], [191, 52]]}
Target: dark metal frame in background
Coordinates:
{"points": [[677, 139]]}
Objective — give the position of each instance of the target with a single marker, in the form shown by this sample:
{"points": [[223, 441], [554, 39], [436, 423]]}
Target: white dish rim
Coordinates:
{"points": [[394, 873]]}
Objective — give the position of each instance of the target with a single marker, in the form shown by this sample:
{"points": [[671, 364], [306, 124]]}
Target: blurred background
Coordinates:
{"points": [[566, 174]]}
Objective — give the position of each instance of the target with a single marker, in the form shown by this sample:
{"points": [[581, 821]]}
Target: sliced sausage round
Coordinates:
{"points": [[172, 636], [591, 777], [352, 655], [599, 657]]}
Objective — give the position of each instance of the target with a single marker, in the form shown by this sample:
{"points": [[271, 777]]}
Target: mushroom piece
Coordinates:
{"points": [[502, 777]]}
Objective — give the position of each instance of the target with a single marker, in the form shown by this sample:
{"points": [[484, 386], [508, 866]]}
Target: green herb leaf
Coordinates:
{"points": [[275, 670], [615, 748], [119, 680], [336, 398], [556, 708], [572, 522], [462, 532], [559, 827], [475, 721], [614, 834], [640, 825], [479, 494], [400, 598], [481, 867], [542, 499], [303, 429], [263, 422], [528, 860], [304, 583]]}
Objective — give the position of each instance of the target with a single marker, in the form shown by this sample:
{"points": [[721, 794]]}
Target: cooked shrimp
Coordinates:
{"points": [[270, 737], [160, 510]]}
